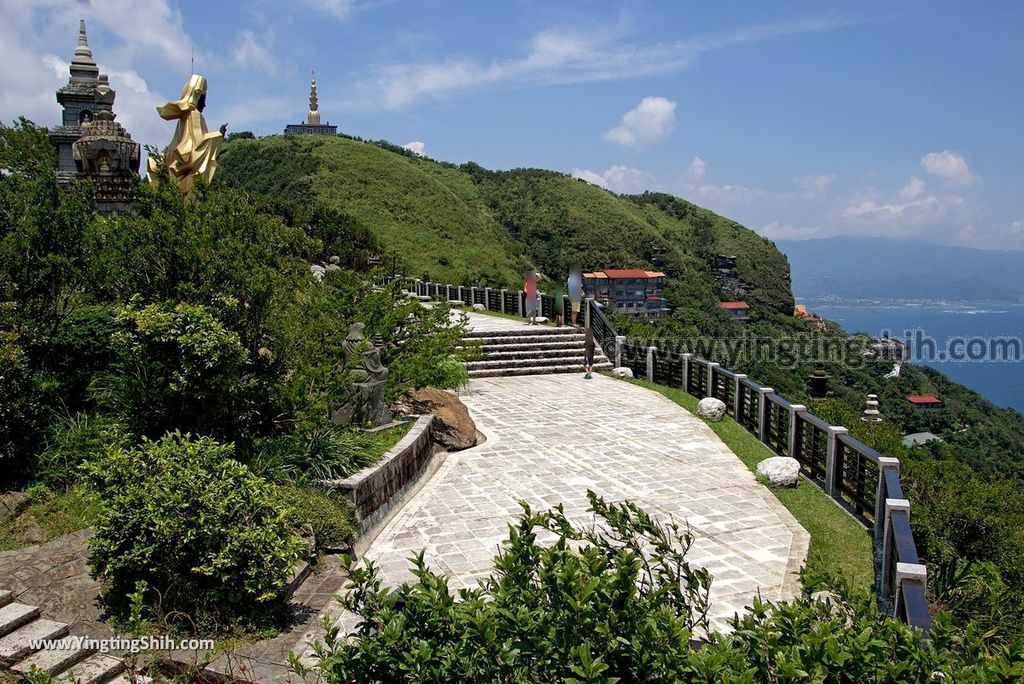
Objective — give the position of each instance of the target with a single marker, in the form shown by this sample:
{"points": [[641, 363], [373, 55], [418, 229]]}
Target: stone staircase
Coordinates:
{"points": [[21, 624], [531, 351]]}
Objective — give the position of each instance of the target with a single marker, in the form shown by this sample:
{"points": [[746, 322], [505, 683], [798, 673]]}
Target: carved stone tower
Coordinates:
{"points": [[89, 142]]}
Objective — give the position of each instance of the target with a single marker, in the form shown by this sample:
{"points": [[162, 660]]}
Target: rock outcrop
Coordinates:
{"points": [[454, 429]]}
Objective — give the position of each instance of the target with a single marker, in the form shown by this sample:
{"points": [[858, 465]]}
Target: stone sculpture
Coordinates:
{"points": [[369, 379]]}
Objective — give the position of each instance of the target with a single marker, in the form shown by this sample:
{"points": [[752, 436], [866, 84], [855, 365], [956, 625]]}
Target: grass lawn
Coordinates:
{"points": [[50, 515], [378, 443], [838, 542]]}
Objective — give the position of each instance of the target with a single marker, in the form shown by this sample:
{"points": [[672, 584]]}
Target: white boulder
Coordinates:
{"points": [[622, 372], [781, 471], [479, 307], [711, 409]]}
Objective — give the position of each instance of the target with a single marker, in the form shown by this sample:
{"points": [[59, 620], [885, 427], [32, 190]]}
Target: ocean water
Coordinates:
{"points": [[1001, 382]]}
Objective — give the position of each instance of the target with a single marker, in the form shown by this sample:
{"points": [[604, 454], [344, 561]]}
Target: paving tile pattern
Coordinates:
{"points": [[552, 437]]}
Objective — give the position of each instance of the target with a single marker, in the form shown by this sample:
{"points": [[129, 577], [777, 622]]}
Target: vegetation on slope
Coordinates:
{"points": [[468, 225], [185, 349]]}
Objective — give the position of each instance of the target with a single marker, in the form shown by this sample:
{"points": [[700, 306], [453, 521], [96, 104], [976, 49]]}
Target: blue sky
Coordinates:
{"points": [[798, 119]]}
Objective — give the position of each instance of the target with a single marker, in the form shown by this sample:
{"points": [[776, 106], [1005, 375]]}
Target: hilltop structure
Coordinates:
{"points": [[312, 125], [90, 144]]}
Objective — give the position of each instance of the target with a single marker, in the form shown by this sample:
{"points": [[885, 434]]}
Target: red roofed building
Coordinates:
{"points": [[737, 310], [632, 291], [925, 402]]}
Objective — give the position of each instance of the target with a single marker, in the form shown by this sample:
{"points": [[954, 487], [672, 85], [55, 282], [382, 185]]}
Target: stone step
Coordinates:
{"points": [[52, 661], [527, 331], [17, 644], [508, 344], [534, 353], [534, 370], [5, 597], [14, 615], [96, 669], [576, 360]]}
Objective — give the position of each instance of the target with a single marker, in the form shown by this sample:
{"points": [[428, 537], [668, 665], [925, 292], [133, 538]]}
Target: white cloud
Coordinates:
{"points": [[913, 188], [558, 57], [903, 215], [1017, 228], [416, 147], [339, 9], [784, 231], [591, 177], [618, 178], [651, 120], [814, 183], [948, 165], [253, 53], [696, 169]]}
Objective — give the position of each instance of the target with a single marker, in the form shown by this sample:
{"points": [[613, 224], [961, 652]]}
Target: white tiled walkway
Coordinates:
{"points": [[549, 439]]}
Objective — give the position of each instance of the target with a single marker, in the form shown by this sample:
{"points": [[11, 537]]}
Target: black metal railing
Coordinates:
{"points": [[857, 477], [810, 441], [748, 408], [668, 368], [857, 473]]}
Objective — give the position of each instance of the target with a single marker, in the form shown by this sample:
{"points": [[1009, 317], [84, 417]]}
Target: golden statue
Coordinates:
{"points": [[193, 149]]}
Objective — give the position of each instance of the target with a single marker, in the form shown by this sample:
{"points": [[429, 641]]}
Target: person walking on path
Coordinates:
{"points": [[559, 307], [588, 354], [532, 298], [575, 284]]}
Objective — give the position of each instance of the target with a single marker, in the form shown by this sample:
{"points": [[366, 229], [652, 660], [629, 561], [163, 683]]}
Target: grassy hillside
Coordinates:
{"points": [[467, 224]]}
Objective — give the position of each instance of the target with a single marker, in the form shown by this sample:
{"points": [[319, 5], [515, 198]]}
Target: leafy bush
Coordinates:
{"points": [[205, 534], [74, 440], [326, 514], [619, 603], [549, 612], [327, 454], [177, 366]]}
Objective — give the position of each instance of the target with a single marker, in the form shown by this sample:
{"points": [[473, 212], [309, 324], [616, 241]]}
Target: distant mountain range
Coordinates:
{"points": [[849, 268]]}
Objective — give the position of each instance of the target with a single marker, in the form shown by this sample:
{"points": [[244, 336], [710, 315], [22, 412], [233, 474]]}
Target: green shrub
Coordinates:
{"points": [[74, 440], [327, 515], [206, 535], [177, 367], [617, 602], [327, 454]]}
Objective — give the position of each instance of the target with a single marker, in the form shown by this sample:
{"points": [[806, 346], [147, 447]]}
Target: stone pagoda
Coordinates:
{"points": [[312, 125], [90, 144]]}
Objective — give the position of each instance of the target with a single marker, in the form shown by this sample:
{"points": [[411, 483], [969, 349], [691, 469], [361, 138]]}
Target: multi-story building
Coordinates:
{"points": [[631, 291]]}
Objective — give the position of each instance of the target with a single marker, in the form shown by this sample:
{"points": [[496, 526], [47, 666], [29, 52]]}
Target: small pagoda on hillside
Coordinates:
{"points": [[312, 125], [90, 144]]}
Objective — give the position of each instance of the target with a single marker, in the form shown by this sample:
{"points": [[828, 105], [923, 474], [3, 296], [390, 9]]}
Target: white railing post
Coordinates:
{"points": [[503, 291], [793, 409], [908, 572], [762, 413], [619, 341], [651, 351], [686, 371], [448, 291], [472, 297], [711, 378], [736, 396], [487, 298], [885, 464], [891, 505], [830, 459]]}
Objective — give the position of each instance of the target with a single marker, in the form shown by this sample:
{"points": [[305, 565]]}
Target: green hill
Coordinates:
{"points": [[465, 224]]}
